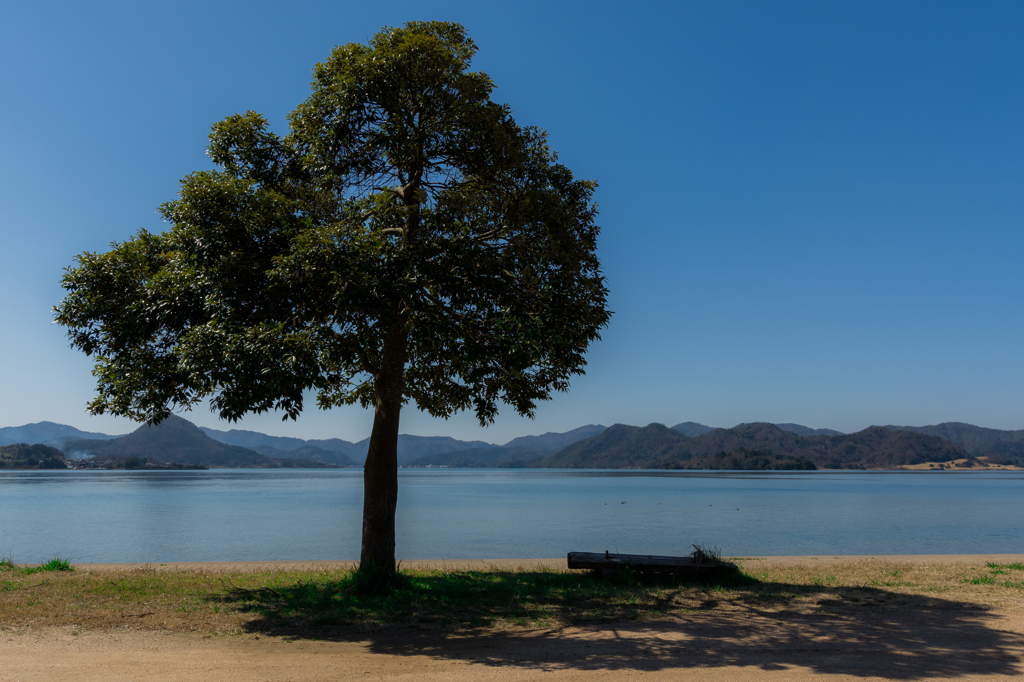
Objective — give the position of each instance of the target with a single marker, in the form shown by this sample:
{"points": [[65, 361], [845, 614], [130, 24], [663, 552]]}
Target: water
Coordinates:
{"points": [[251, 514]]}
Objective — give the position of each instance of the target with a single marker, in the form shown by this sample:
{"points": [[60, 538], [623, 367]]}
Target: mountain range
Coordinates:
{"points": [[758, 446], [46, 433], [1001, 447], [179, 440], [685, 445], [410, 448]]}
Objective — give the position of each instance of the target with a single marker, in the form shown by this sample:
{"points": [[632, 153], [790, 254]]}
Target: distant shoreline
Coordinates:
{"points": [[917, 468]]}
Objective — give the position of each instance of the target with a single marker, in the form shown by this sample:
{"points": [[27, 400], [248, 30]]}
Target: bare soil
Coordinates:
{"points": [[836, 618], [963, 464]]}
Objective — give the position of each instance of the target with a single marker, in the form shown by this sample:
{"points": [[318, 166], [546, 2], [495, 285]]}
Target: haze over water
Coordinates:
{"points": [[234, 515]]}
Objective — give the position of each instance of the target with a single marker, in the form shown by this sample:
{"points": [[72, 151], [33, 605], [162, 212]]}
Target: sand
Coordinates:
{"points": [[526, 564], [927, 638]]}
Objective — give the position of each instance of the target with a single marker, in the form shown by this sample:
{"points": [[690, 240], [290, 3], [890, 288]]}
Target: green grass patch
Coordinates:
{"points": [[982, 580], [998, 570], [891, 578], [54, 564]]}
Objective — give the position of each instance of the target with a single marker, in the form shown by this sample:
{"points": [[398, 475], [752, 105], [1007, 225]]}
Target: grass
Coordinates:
{"points": [[309, 602], [292, 601], [703, 552], [997, 570], [54, 564], [891, 577]]}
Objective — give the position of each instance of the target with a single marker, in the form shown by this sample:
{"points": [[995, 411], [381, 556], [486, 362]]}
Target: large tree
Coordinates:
{"points": [[406, 240]]}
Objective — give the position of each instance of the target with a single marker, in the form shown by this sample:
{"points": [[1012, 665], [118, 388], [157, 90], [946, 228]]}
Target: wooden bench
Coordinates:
{"points": [[610, 564]]}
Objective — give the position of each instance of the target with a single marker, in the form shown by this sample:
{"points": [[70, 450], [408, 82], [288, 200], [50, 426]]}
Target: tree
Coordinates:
{"points": [[406, 240]]}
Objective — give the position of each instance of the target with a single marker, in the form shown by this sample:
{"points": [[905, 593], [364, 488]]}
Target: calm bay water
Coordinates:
{"points": [[230, 515]]}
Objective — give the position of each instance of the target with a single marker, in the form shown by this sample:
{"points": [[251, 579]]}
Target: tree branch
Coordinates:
{"points": [[490, 234]]}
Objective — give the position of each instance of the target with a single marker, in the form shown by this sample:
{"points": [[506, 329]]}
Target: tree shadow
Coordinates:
{"points": [[861, 631]]}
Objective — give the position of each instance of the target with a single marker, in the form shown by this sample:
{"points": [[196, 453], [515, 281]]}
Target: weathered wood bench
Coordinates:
{"points": [[610, 564]]}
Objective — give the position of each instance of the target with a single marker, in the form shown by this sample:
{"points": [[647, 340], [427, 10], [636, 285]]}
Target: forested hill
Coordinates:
{"points": [[340, 451], [25, 456], [805, 431], [622, 447], [178, 440], [412, 450], [1001, 447], [764, 445], [309, 453]]}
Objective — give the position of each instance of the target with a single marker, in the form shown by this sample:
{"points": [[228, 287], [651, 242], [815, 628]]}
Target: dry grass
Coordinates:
{"points": [[279, 602]]}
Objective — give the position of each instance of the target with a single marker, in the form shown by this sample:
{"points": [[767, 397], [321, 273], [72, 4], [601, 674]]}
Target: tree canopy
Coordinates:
{"points": [[405, 240]]}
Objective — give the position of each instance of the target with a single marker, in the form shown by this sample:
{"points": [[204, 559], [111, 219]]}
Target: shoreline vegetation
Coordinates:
{"points": [[316, 602], [954, 465], [24, 457]]}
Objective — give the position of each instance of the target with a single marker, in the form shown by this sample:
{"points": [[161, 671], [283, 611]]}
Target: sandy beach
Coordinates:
{"points": [[906, 633], [558, 563]]}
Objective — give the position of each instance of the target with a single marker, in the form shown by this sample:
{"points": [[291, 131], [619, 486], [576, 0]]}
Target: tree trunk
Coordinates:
{"points": [[380, 473]]}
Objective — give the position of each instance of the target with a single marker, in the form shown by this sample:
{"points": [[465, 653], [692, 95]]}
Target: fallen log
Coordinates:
{"points": [[610, 564]]}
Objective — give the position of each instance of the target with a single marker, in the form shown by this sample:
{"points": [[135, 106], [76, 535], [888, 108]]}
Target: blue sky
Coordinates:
{"points": [[811, 211]]}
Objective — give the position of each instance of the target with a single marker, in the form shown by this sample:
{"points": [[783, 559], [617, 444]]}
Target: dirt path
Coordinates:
{"points": [[753, 648]]}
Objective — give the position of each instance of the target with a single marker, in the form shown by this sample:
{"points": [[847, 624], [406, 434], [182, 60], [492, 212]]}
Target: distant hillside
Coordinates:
{"points": [[412, 447], [46, 433], [656, 446], [552, 442], [35, 456], [409, 447], [501, 458], [879, 448], [308, 452], [415, 447], [518, 452], [806, 431], [620, 447], [742, 459], [354, 451], [756, 436], [175, 440], [692, 429], [253, 439], [1004, 447]]}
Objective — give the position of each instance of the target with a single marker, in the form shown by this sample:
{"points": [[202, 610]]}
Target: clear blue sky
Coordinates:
{"points": [[812, 211]]}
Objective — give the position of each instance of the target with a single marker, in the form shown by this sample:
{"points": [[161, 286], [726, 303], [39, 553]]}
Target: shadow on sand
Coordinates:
{"points": [[860, 631]]}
